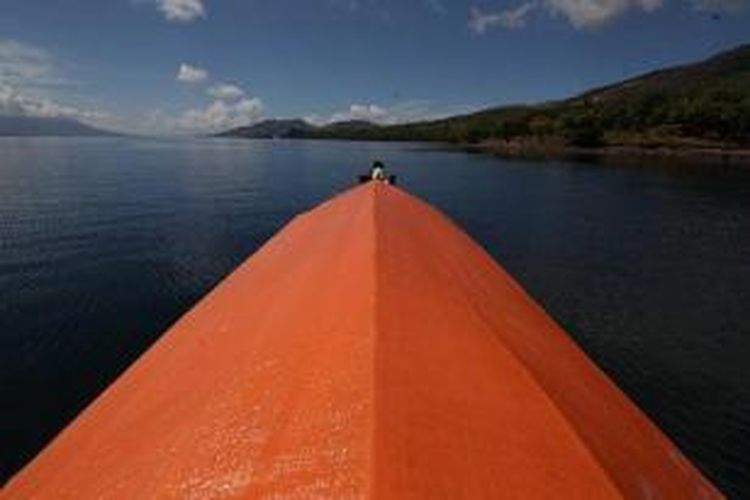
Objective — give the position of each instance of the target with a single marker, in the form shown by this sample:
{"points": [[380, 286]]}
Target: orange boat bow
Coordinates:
{"points": [[370, 350]]}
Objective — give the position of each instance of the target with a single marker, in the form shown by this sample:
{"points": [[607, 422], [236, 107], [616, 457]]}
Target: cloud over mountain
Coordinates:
{"points": [[221, 115], [27, 65], [30, 82], [402, 112], [191, 74], [368, 112], [226, 91], [183, 11], [16, 102]]}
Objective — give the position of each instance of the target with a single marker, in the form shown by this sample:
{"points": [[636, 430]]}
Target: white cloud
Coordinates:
{"points": [[221, 115], [191, 74], [26, 65], [226, 91], [30, 84], [721, 6], [582, 14], [593, 13], [403, 112], [516, 18], [230, 107], [182, 11], [368, 112], [480, 22], [15, 102]]}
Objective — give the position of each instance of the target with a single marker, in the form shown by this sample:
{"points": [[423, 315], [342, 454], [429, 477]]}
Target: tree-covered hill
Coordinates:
{"points": [[702, 104]]}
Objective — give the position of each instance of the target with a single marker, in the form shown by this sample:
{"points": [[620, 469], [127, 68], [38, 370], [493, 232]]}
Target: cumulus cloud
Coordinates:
{"points": [[480, 22], [593, 13], [191, 74], [403, 112], [221, 115], [24, 64], [582, 14], [182, 11], [30, 84], [368, 112], [16, 102], [230, 107], [226, 91]]}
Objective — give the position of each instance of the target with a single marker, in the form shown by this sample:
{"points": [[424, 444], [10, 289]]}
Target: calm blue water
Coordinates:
{"points": [[105, 242]]}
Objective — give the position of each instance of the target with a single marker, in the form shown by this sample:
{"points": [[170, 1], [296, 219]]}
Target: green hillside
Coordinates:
{"points": [[706, 104]]}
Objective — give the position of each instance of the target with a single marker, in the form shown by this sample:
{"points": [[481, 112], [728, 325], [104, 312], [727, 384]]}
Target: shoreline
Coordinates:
{"points": [[714, 155], [723, 156]]}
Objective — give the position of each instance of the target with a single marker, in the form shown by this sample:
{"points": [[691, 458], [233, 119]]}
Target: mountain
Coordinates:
{"points": [[270, 129], [300, 129], [16, 125], [708, 101], [347, 127], [706, 104], [723, 68]]}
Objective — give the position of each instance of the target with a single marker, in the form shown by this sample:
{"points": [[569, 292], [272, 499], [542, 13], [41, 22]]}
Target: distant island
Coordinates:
{"points": [[697, 109]]}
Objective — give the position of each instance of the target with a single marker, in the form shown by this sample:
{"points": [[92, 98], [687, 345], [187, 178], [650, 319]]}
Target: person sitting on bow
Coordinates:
{"points": [[377, 172]]}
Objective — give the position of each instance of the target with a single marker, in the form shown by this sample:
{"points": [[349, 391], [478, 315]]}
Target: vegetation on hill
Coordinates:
{"points": [[700, 105], [270, 129]]}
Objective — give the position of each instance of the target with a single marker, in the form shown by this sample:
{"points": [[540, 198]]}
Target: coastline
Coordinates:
{"points": [[535, 150], [530, 149]]}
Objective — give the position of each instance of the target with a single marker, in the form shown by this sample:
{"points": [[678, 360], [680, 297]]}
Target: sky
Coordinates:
{"points": [[197, 66]]}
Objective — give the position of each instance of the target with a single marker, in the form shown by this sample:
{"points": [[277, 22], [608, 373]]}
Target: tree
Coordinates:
{"points": [[582, 127]]}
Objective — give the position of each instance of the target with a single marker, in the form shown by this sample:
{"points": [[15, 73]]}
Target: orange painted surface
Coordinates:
{"points": [[369, 350]]}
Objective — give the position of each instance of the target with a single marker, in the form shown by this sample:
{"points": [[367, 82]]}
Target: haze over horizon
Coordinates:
{"points": [[199, 66]]}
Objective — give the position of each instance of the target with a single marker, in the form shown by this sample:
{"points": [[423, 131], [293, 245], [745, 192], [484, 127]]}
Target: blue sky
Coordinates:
{"points": [[187, 66]]}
